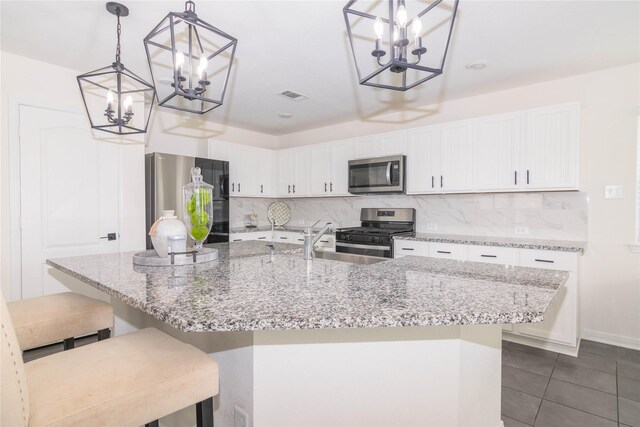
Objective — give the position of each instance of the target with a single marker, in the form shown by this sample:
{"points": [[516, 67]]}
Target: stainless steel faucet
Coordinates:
{"points": [[310, 240]]}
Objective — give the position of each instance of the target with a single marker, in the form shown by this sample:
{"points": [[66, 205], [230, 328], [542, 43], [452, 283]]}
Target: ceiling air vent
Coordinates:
{"points": [[294, 96]]}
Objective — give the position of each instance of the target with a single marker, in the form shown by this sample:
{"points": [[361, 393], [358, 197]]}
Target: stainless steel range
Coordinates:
{"points": [[375, 236]]}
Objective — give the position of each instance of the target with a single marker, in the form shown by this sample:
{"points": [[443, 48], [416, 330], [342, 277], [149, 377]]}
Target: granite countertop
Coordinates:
{"points": [[507, 242], [246, 290], [289, 228]]}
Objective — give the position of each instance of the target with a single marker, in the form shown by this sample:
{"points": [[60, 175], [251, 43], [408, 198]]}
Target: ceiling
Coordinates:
{"points": [[302, 46]]}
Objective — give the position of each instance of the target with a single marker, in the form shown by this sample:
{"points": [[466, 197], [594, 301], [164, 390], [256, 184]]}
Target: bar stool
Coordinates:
{"points": [[59, 317], [128, 380]]}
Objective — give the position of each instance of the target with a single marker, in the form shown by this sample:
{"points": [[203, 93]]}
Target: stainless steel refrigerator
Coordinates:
{"points": [[165, 174]]}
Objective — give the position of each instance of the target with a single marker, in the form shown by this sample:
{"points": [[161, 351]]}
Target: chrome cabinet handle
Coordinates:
{"points": [[294, 189], [289, 186], [331, 187], [389, 173], [238, 187], [261, 188], [233, 187], [545, 260], [441, 181], [261, 238], [444, 252], [515, 177], [325, 187], [433, 181], [527, 176], [110, 237], [488, 256], [407, 249]]}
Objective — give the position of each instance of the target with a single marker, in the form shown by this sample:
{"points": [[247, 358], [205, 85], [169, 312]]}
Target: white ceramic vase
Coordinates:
{"points": [[169, 231]]}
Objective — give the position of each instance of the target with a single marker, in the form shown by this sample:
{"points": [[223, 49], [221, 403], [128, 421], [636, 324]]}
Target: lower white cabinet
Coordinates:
{"points": [[559, 331], [326, 242]]}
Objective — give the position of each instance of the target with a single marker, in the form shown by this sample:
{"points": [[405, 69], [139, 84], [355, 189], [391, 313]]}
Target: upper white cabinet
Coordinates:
{"points": [[329, 168], [293, 172], [251, 169], [552, 156], [441, 158], [498, 152], [386, 144]]}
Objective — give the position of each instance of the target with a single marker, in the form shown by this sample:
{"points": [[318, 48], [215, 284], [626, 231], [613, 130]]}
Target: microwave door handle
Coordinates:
{"points": [[389, 173]]}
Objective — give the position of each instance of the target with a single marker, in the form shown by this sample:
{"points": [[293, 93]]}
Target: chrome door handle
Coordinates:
{"points": [[110, 236], [389, 173]]}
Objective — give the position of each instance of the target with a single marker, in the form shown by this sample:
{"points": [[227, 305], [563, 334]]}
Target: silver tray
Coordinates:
{"points": [[149, 258]]}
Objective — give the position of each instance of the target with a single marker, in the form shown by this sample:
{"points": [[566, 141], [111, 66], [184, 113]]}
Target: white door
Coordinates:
{"points": [[457, 157], [320, 176], [423, 160], [341, 153], [499, 141], [552, 155], [69, 193]]}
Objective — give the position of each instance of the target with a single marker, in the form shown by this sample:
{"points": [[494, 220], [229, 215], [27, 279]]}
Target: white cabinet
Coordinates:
{"points": [[493, 255], [403, 248], [251, 169], [441, 158], [386, 144], [448, 251], [498, 152], [293, 172], [552, 148], [329, 168]]}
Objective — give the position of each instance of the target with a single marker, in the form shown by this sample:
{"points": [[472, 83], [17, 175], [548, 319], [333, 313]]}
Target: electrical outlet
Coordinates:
{"points": [[432, 227], [521, 229], [240, 417], [613, 192]]}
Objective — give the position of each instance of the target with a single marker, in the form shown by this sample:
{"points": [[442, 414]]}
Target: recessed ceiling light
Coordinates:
{"points": [[285, 115], [476, 66]]}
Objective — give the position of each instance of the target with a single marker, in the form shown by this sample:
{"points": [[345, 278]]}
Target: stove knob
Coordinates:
{"points": [[349, 238]]}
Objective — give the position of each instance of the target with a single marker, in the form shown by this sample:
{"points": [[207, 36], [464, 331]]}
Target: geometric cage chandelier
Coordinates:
{"points": [[190, 61], [398, 44], [117, 100]]}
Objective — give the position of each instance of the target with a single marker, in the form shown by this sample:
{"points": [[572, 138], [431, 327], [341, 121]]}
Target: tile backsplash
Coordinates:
{"points": [[549, 215]]}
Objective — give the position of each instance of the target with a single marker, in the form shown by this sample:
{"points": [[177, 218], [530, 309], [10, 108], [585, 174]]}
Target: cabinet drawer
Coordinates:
{"points": [[410, 247], [326, 242], [448, 251], [551, 260], [493, 255]]}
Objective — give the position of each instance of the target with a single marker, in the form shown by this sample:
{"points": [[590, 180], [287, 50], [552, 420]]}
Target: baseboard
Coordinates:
{"points": [[612, 339]]}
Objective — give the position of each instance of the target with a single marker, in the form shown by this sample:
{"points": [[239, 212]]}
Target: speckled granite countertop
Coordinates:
{"points": [[289, 228], [246, 290], [507, 242]]}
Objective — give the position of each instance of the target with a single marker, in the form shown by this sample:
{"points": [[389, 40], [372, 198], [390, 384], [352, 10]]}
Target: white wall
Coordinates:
{"points": [[610, 273]]}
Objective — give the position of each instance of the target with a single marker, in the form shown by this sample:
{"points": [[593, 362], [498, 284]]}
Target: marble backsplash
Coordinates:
{"points": [[550, 215]]}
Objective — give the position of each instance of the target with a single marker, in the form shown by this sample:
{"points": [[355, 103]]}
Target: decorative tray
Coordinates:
{"points": [[149, 258]]}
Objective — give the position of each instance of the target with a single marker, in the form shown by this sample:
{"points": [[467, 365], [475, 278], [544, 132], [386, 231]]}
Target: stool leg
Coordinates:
{"points": [[204, 413], [68, 343], [152, 424], [103, 334]]}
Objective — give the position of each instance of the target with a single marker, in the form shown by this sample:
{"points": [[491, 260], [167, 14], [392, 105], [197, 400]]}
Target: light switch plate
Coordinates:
{"points": [[613, 192]]}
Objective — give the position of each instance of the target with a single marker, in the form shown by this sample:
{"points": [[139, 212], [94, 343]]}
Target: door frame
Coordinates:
{"points": [[15, 214]]}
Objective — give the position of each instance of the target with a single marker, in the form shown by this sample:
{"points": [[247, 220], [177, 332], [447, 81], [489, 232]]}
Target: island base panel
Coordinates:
{"points": [[427, 376]]}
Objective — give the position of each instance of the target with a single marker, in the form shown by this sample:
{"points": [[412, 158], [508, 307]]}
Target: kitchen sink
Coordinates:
{"points": [[356, 259]]}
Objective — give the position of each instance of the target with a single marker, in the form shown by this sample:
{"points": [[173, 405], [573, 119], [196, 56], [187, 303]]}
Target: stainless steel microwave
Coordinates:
{"points": [[377, 175]]}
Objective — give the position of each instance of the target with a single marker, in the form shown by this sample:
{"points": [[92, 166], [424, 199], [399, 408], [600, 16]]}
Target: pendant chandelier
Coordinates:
{"points": [[117, 101], [190, 61], [386, 38]]}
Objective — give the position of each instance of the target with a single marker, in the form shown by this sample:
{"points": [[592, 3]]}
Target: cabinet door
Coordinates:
{"points": [[301, 160], [341, 153], [498, 152], [457, 170], [247, 164], [264, 172], [220, 150], [423, 160], [320, 175], [366, 147], [393, 143], [285, 172], [552, 151]]}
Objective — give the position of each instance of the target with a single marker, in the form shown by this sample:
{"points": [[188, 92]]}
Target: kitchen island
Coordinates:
{"points": [[411, 341]]}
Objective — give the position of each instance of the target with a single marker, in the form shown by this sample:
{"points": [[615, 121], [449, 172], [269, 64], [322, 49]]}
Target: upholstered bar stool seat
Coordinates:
{"points": [[131, 379], [58, 317]]}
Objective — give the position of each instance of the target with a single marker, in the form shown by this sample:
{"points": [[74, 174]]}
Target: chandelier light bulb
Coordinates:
{"points": [[179, 60], [202, 66], [396, 34], [109, 98], [416, 27], [402, 16], [128, 101], [378, 27]]}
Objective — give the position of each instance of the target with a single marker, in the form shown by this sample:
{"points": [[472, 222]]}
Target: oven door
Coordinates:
{"points": [[360, 249], [378, 175]]}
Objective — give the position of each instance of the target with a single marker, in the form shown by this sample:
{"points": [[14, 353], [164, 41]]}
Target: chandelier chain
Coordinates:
{"points": [[119, 31]]}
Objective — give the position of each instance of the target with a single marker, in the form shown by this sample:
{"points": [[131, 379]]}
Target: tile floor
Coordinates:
{"points": [[601, 387]]}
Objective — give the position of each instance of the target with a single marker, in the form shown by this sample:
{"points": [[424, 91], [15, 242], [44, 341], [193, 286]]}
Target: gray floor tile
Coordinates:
{"points": [[586, 377], [510, 422], [590, 361], [555, 415], [629, 370], [629, 389], [533, 350], [629, 355], [583, 398], [519, 406], [629, 412], [528, 362], [525, 381], [598, 348]]}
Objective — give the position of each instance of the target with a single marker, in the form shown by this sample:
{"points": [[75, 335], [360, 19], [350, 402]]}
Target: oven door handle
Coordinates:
{"points": [[355, 246], [389, 173]]}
